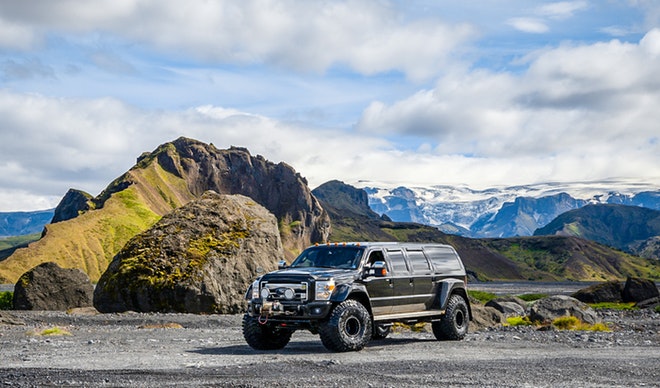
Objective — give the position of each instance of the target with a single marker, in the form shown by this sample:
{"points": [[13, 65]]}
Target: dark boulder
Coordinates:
{"points": [[548, 309], [600, 293], [51, 287], [639, 290], [200, 258]]}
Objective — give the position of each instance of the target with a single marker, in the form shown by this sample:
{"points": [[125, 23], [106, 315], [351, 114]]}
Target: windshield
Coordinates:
{"points": [[330, 257]]}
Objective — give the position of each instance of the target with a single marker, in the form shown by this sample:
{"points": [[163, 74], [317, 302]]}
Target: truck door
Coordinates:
{"points": [[379, 287], [401, 281], [422, 275]]}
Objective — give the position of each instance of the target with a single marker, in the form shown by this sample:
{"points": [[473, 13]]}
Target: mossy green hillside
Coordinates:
{"points": [[89, 241]]}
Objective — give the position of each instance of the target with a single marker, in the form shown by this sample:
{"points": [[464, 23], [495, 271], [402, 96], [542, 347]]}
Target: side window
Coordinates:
{"points": [[418, 262], [399, 266], [443, 259], [375, 256]]}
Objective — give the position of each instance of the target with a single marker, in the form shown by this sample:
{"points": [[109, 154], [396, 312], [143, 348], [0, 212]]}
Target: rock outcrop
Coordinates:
{"points": [[71, 205], [548, 309], [50, 287], [277, 187], [200, 258], [600, 293]]}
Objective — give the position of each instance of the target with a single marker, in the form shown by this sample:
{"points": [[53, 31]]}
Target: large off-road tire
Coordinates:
{"points": [[348, 328], [264, 337], [380, 332], [454, 324]]}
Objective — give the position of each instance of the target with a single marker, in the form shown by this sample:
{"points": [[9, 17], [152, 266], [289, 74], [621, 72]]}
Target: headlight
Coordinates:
{"points": [[255, 289], [324, 289]]}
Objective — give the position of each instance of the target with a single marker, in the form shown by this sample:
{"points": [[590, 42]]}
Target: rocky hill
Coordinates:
{"points": [[553, 258], [629, 228], [93, 229]]}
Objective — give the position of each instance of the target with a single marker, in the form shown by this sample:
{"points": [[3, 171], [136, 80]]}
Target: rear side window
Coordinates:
{"points": [[443, 259], [418, 262], [399, 266]]}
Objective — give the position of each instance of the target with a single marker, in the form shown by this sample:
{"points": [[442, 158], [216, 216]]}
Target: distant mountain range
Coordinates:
{"points": [[544, 258], [501, 212], [21, 223], [632, 229]]}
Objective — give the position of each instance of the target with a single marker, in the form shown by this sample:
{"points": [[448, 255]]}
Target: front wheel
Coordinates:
{"points": [[454, 324], [348, 328], [264, 337]]}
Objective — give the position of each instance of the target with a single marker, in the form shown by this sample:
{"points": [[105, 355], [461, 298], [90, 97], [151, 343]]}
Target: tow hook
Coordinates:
{"points": [[268, 309]]}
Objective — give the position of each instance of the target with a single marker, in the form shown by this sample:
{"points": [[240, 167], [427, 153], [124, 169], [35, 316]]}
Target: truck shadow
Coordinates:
{"points": [[304, 347]]}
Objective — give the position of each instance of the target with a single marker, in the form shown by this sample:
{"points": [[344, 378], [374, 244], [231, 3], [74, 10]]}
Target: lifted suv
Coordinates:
{"points": [[351, 293]]}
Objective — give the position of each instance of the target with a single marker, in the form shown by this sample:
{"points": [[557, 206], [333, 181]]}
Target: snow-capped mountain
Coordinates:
{"points": [[501, 211]]}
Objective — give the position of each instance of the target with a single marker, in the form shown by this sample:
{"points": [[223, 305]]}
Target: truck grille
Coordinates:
{"points": [[278, 291]]}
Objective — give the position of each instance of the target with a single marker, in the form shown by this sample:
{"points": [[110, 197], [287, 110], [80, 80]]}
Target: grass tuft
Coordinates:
{"points": [[52, 331], [573, 323], [6, 300], [482, 296], [170, 325], [615, 306], [518, 321]]}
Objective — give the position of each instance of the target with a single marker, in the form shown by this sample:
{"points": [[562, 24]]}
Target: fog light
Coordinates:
{"points": [[264, 293], [316, 311], [289, 294]]}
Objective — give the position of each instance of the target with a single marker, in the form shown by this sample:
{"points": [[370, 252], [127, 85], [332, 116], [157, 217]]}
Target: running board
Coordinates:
{"points": [[406, 316]]}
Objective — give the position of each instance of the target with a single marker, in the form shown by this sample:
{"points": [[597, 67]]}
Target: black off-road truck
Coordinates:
{"points": [[350, 293]]}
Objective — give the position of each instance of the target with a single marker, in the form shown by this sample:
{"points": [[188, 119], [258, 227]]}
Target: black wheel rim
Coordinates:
{"points": [[353, 326], [459, 318]]}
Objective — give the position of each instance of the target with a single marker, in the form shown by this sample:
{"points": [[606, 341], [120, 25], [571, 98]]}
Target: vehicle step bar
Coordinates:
{"points": [[408, 316]]}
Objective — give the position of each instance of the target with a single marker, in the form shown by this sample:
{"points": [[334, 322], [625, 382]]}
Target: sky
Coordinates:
{"points": [[414, 92]]}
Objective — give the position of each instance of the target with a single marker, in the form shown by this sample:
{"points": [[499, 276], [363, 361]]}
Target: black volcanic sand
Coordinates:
{"points": [[157, 350]]}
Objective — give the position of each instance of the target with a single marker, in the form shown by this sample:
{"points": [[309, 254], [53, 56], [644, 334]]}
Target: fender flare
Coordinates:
{"points": [[448, 287], [352, 291]]}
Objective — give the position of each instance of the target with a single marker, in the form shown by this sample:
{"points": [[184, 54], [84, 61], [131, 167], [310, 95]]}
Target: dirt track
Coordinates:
{"points": [[137, 350]]}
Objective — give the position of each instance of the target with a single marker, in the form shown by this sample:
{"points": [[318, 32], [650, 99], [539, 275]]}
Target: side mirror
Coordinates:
{"points": [[378, 269], [281, 264]]}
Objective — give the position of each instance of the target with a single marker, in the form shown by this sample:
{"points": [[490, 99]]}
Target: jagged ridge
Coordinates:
{"points": [[165, 179]]}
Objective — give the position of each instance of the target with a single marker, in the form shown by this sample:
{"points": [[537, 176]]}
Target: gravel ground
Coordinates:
{"points": [[160, 350]]}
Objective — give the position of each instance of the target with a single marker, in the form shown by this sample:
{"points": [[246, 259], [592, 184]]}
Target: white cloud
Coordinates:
{"points": [[368, 37], [15, 35], [49, 145], [531, 25], [578, 112], [562, 9]]}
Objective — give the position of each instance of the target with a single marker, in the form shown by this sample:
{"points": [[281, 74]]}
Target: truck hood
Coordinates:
{"points": [[312, 273]]}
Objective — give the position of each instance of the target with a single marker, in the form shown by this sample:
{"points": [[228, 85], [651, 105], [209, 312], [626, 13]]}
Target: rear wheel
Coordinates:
{"points": [[454, 324], [264, 337], [380, 332], [348, 328]]}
